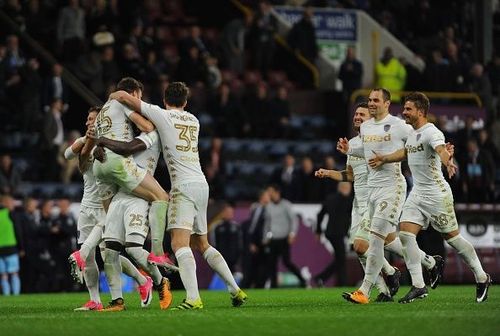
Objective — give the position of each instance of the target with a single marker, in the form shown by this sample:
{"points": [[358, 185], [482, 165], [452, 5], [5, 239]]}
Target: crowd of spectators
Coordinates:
{"points": [[229, 70]]}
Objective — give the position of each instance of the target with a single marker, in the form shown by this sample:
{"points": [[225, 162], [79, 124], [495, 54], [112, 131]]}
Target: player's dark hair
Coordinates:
{"points": [[362, 104], [420, 100], [94, 109], [129, 85], [176, 94], [385, 93]]}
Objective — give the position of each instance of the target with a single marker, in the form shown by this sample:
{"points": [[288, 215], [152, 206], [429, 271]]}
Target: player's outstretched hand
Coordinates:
{"points": [[117, 95], [343, 145], [451, 168], [450, 148], [90, 132], [321, 173], [376, 161], [100, 154]]}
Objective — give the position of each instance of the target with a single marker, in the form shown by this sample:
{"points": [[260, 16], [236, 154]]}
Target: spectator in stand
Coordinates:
{"points": [[216, 182], [62, 243], [30, 95], [280, 114], [10, 176], [71, 30], [310, 186], [481, 85], [459, 67], [287, 178], [53, 137], [131, 63], [390, 74], [254, 252], [192, 68], [195, 40], [487, 144], [55, 88], [225, 108], [233, 43], [265, 26], [28, 220], [493, 71], [302, 36], [215, 156], [350, 73], [11, 245], [437, 75], [100, 15], [338, 207], [477, 174], [111, 73], [227, 236], [14, 57], [468, 132], [258, 112]]}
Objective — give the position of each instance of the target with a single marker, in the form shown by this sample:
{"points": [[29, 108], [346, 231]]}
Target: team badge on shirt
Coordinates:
{"points": [[387, 128], [419, 136]]}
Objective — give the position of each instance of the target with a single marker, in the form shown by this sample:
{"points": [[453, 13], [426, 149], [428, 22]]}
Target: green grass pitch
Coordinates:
{"points": [[449, 310]]}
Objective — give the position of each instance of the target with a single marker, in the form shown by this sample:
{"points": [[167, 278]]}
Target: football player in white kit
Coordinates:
{"points": [[357, 171], [187, 212], [91, 221], [127, 225], [383, 133], [114, 122], [431, 199]]}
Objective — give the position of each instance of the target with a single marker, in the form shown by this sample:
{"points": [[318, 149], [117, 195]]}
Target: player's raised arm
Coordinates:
{"points": [[341, 176], [134, 104], [378, 160]]}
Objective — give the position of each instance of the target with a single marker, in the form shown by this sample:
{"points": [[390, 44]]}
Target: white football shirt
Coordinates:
{"points": [[384, 137], [360, 173], [179, 131], [112, 122], [424, 161], [148, 158], [91, 196]]}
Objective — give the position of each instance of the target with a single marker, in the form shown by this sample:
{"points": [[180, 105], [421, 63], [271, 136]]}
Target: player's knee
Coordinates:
{"points": [[114, 245], [360, 246]]}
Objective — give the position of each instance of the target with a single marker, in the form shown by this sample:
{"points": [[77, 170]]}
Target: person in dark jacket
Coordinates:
{"points": [[338, 207], [255, 253], [302, 36], [228, 237]]}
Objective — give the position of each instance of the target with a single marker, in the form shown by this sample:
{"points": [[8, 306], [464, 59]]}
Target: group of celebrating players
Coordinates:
{"points": [[122, 201], [380, 205]]}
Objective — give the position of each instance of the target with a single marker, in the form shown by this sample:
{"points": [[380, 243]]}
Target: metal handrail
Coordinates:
{"points": [[443, 95]]}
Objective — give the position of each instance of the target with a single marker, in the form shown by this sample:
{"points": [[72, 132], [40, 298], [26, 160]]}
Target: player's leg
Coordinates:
{"points": [[412, 256], [4, 276], [113, 271], [469, 255], [136, 229], [150, 190], [393, 244], [187, 268]]}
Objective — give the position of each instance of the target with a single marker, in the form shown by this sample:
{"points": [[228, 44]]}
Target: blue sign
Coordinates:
{"points": [[330, 25]]}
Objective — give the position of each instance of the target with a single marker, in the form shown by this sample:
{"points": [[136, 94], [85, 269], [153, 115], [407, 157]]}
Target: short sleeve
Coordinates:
{"points": [[404, 131], [436, 139], [152, 112], [148, 138]]}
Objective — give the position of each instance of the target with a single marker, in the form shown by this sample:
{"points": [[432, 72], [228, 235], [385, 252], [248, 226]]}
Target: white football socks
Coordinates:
{"points": [[92, 241], [157, 221], [374, 262], [468, 254], [113, 272], [395, 246], [413, 258], [187, 271], [380, 282], [129, 269], [219, 265], [91, 276], [140, 256]]}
